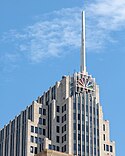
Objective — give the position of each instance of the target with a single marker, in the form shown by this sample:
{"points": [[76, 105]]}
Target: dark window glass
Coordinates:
{"points": [[78, 126], [36, 140], [95, 141], [83, 148], [74, 105], [44, 111], [79, 137], [57, 139], [103, 127], [78, 106], [64, 118], [35, 150], [40, 140], [87, 138], [107, 147], [74, 147], [50, 147], [64, 148], [74, 136], [44, 132], [87, 149], [98, 132], [78, 116], [36, 129], [31, 149], [74, 116], [57, 109], [83, 127], [44, 121], [57, 129], [87, 128], [40, 130], [104, 147], [32, 139], [104, 137], [111, 149], [57, 119], [58, 148], [95, 151], [40, 110], [87, 108], [63, 108], [32, 129], [74, 125], [40, 120], [91, 109]]}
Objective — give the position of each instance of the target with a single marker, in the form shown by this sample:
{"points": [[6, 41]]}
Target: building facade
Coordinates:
{"points": [[66, 118], [52, 153]]}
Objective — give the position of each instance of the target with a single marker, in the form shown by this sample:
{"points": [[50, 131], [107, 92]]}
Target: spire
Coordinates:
{"points": [[83, 52]]}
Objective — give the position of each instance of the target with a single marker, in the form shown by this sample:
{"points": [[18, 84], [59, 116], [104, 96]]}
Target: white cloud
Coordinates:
{"points": [[58, 32], [104, 18]]}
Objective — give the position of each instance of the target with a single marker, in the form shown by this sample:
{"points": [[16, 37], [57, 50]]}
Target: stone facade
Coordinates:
{"points": [[52, 153]]}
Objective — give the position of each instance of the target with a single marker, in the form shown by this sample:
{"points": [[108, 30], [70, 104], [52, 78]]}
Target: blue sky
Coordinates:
{"points": [[40, 42]]}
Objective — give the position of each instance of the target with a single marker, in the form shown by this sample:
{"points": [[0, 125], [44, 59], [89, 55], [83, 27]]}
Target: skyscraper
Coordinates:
{"points": [[66, 118]]}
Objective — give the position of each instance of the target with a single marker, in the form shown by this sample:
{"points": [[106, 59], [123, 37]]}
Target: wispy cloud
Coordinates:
{"points": [[58, 32], [104, 18], [49, 37]]}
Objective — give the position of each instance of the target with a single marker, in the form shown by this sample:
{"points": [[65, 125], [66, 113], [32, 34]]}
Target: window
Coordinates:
{"points": [[44, 111], [79, 137], [57, 139], [50, 147], [57, 119], [64, 148], [63, 108], [40, 130], [78, 126], [32, 139], [111, 149], [78, 116], [57, 148], [95, 141], [40, 140], [64, 138], [57, 129], [40, 120], [40, 110], [87, 128], [74, 136], [53, 147], [57, 109], [74, 125], [107, 147], [64, 118], [104, 147], [74, 105], [32, 129], [64, 128], [103, 127], [44, 121], [104, 137], [36, 129], [31, 149], [78, 106], [74, 116], [44, 132], [87, 149], [36, 140], [35, 150]]}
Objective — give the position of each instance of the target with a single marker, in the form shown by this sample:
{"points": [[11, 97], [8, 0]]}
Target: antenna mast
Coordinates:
{"points": [[83, 52]]}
